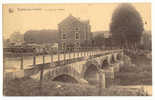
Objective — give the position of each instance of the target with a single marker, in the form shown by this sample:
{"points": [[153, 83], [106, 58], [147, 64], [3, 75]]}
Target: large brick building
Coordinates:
{"points": [[74, 33]]}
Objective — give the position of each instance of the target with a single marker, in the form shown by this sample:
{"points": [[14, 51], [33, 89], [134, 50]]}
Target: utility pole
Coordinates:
{"points": [[21, 62], [69, 54], [58, 53], [51, 52], [64, 52], [41, 71], [34, 57], [21, 54], [74, 52]]}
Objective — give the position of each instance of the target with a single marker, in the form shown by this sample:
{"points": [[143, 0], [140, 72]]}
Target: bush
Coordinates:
{"points": [[135, 72], [30, 87]]}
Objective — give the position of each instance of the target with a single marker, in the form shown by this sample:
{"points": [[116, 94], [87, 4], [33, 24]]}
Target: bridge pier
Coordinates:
{"points": [[51, 59], [22, 61], [34, 60], [102, 76], [101, 81]]}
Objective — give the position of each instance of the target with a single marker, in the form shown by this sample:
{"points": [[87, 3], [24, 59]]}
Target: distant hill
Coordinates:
{"points": [[41, 36]]}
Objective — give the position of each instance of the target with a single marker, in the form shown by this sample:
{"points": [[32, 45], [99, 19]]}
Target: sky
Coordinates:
{"points": [[24, 17]]}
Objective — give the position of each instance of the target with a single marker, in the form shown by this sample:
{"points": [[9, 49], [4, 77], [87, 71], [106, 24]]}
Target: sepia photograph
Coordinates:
{"points": [[77, 49]]}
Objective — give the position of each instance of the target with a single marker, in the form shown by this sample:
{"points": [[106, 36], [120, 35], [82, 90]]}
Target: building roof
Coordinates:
{"points": [[70, 17]]}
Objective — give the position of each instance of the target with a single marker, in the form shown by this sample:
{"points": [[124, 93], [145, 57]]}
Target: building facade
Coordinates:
{"points": [[74, 33]]}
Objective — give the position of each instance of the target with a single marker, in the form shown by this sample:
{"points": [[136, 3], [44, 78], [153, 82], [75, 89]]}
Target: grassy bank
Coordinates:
{"points": [[30, 87], [139, 73]]}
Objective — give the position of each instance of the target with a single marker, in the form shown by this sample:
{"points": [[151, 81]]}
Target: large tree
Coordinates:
{"points": [[126, 25], [99, 40]]}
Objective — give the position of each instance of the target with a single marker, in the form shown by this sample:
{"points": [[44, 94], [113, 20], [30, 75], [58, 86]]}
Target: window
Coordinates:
{"points": [[63, 36], [63, 45], [76, 29], [77, 35], [77, 44]]}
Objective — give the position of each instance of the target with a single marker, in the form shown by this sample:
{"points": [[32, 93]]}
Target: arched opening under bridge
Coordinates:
{"points": [[91, 74], [65, 78], [104, 64]]}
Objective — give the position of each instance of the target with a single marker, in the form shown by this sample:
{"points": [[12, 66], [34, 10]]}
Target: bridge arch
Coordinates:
{"points": [[91, 72], [111, 59], [118, 57], [63, 74], [104, 64], [65, 78]]}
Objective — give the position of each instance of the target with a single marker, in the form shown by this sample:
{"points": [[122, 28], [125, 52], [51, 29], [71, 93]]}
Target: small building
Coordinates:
{"points": [[74, 33]]}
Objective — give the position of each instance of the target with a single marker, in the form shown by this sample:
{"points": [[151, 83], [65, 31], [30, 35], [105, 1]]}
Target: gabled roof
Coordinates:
{"points": [[68, 19], [72, 18]]}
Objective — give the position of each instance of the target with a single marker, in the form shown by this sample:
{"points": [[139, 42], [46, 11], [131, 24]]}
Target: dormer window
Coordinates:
{"points": [[77, 35]]}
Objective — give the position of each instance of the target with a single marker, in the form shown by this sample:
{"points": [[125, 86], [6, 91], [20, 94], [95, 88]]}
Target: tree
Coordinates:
{"points": [[17, 37], [41, 36], [126, 25], [99, 40]]}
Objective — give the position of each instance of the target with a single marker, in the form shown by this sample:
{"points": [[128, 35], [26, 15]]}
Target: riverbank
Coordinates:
{"points": [[30, 87], [138, 73]]}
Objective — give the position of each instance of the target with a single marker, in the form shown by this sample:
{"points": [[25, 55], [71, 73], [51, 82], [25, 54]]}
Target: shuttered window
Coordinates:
{"points": [[77, 35]]}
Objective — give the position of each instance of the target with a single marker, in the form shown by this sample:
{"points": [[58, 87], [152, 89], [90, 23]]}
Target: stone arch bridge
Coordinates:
{"points": [[86, 70]]}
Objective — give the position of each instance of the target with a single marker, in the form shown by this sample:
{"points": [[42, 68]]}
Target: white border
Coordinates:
{"points": [[74, 97]]}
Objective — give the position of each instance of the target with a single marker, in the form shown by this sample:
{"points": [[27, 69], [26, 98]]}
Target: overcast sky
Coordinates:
{"points": [[24, 17]]}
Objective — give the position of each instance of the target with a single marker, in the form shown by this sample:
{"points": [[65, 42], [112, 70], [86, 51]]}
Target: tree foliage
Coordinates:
{"points": [[16, 37], [126, 26], [99, 40], [41, 36]]}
